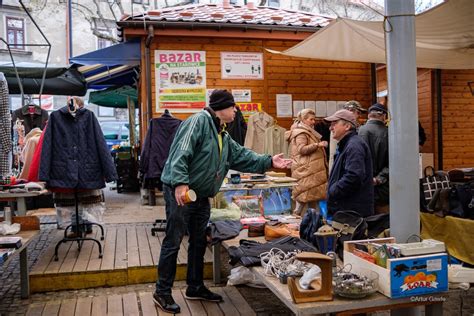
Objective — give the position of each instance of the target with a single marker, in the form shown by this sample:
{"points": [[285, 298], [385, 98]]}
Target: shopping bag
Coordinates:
{"points": [[430, 183]]}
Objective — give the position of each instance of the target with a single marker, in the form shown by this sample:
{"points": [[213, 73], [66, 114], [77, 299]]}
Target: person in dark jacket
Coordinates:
{"points": [[350, 184], [201, 154], [375, 134]]}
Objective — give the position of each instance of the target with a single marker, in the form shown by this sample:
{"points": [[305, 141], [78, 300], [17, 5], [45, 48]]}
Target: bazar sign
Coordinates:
{"points": [[180, 80]]}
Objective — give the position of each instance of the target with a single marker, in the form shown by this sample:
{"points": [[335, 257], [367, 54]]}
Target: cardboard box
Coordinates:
{"points": [[406, 276]]}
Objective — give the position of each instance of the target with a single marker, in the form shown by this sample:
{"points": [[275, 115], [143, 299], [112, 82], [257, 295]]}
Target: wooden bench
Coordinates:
{"points": [[29, 229], [339, 306]]}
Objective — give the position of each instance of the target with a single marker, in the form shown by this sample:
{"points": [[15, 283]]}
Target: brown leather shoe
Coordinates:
{"points": [[256, 230], [279, 230]]}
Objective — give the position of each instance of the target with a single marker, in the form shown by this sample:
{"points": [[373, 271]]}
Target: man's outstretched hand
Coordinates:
{"points": [[281, 163]]}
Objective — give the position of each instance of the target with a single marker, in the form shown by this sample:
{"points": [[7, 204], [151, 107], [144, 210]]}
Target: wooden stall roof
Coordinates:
{"points": [[221, 16]]}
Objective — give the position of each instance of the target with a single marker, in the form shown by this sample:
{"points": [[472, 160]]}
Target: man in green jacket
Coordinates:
{"points": [[201, 154]]}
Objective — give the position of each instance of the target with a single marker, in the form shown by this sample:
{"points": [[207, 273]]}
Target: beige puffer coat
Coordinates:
{"points": [[309, 164]]}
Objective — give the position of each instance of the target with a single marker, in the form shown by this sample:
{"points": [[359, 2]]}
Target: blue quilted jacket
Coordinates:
{"points": [[74, 153]]}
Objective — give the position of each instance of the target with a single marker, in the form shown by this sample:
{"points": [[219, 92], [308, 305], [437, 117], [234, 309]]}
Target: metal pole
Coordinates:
{"points": [[69, 29], [439, 108], [403, 130]]}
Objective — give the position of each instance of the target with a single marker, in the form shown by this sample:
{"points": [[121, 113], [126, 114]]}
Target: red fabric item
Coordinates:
{"points": [[35, 162]]}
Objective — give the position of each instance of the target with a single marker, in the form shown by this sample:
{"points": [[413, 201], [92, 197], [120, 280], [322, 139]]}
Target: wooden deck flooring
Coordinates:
{"points": [[141, 303], [130, 256]]}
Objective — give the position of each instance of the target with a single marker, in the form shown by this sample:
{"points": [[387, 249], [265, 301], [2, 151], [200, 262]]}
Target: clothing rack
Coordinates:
{"points": [[80, 232]]}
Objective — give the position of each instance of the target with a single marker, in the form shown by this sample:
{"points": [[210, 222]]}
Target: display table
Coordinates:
{"points": [[27, 237], [20, 199], [453, 231], [339, 306]]}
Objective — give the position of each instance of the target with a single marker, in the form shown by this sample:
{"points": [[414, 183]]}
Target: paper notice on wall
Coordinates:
{"points": [[284, 105], [321, 109], [237, 65], [331, 107], [310, 105], [242, 95], [297, 107], [340, 105]]}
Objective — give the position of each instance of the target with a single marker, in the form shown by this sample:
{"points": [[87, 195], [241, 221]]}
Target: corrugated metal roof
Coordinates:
{"points": [[222, 15]]}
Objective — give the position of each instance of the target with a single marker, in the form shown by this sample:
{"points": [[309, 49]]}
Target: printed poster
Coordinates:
{"points": [[236, 65], [297, 107], [242, 95], [284, 105], [180, 78]]}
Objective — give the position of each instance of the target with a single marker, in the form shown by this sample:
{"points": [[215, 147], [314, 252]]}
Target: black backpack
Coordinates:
{"points": [[310, 224]]}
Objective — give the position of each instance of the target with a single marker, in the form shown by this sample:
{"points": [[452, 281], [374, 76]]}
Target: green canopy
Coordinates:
{"points": [[114, 97]]}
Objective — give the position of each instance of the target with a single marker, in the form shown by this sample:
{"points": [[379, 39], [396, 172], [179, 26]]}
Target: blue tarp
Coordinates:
{"points": [[127, 53]]}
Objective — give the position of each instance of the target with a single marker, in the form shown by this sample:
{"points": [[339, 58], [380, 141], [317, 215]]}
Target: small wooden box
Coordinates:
{"points": [[403, 277]]}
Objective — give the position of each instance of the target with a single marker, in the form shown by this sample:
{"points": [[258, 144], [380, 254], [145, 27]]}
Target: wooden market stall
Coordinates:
{"points": [[218, 28]]}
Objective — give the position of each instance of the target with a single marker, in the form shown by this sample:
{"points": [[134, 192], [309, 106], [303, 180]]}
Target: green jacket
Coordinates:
{"points": [[194, 157]]}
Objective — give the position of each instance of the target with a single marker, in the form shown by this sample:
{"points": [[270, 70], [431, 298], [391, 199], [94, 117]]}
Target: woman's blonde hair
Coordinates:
{"points": [[304, 113]]}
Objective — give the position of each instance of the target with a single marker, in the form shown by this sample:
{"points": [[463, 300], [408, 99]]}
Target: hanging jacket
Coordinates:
{"points": [[350, 184], [309, 164], [5, 128], [35, 161], [30, 121], [255, 138], [156, 148], [237, 129], [275, 142], [196, 160], [74, 152], [27, 154]]}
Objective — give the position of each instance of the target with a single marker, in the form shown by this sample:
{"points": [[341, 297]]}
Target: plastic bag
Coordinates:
{"points": [[309, 276], [242, 275]]}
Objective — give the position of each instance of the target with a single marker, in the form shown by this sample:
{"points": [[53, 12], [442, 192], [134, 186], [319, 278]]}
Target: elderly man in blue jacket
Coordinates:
{"points": [[350, 184], [201, 154]]}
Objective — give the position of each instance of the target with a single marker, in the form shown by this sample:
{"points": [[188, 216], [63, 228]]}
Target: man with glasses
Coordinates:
{"points": [[350, 184], [356, 108]]}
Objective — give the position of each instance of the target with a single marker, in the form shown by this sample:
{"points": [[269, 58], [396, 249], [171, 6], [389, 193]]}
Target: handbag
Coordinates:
{"points": [[430, 183], [350, 226], [461, 200]]}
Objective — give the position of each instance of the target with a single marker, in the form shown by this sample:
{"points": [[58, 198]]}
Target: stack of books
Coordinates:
{"points": [[10, 242]]}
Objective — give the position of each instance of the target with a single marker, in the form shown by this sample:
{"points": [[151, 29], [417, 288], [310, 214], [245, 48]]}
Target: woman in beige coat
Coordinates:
{"points": [[309, 161]]}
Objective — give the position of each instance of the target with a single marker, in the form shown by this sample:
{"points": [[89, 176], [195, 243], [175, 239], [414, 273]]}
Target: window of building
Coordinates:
{"points": [[15, 32], [141, 1], [103, 43], [274, 3]]}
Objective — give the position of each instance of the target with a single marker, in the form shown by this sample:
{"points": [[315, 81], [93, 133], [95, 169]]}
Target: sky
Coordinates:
{"points": [[420, 5]]}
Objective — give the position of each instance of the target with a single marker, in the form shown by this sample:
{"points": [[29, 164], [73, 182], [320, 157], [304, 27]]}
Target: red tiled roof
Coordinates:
{"points": [[231, 15]]}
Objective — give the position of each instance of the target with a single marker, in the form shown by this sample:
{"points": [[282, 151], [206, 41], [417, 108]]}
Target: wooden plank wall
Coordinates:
{"points": [[425, 102], [305, 79], [458, 119]]}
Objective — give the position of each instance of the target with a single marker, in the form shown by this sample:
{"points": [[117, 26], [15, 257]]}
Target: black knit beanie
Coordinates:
{"points": [[220, 100]]}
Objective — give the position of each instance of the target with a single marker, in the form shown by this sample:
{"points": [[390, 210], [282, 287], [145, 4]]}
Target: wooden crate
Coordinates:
{"points": [[403, 277]]}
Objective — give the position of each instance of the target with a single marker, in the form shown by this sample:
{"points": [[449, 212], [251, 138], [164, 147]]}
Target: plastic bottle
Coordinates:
{"points": [[7, 217]]}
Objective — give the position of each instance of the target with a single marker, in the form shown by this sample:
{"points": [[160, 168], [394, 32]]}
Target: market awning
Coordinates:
{"points": [[115, 97], [127, 53], [58, 81], [112, 66], [444, 39]]}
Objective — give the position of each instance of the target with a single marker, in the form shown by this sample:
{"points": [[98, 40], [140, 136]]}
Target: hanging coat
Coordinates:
{"points": [[237, 129], [74, 152], [157, 145], [30, 121], [5, 129]]}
